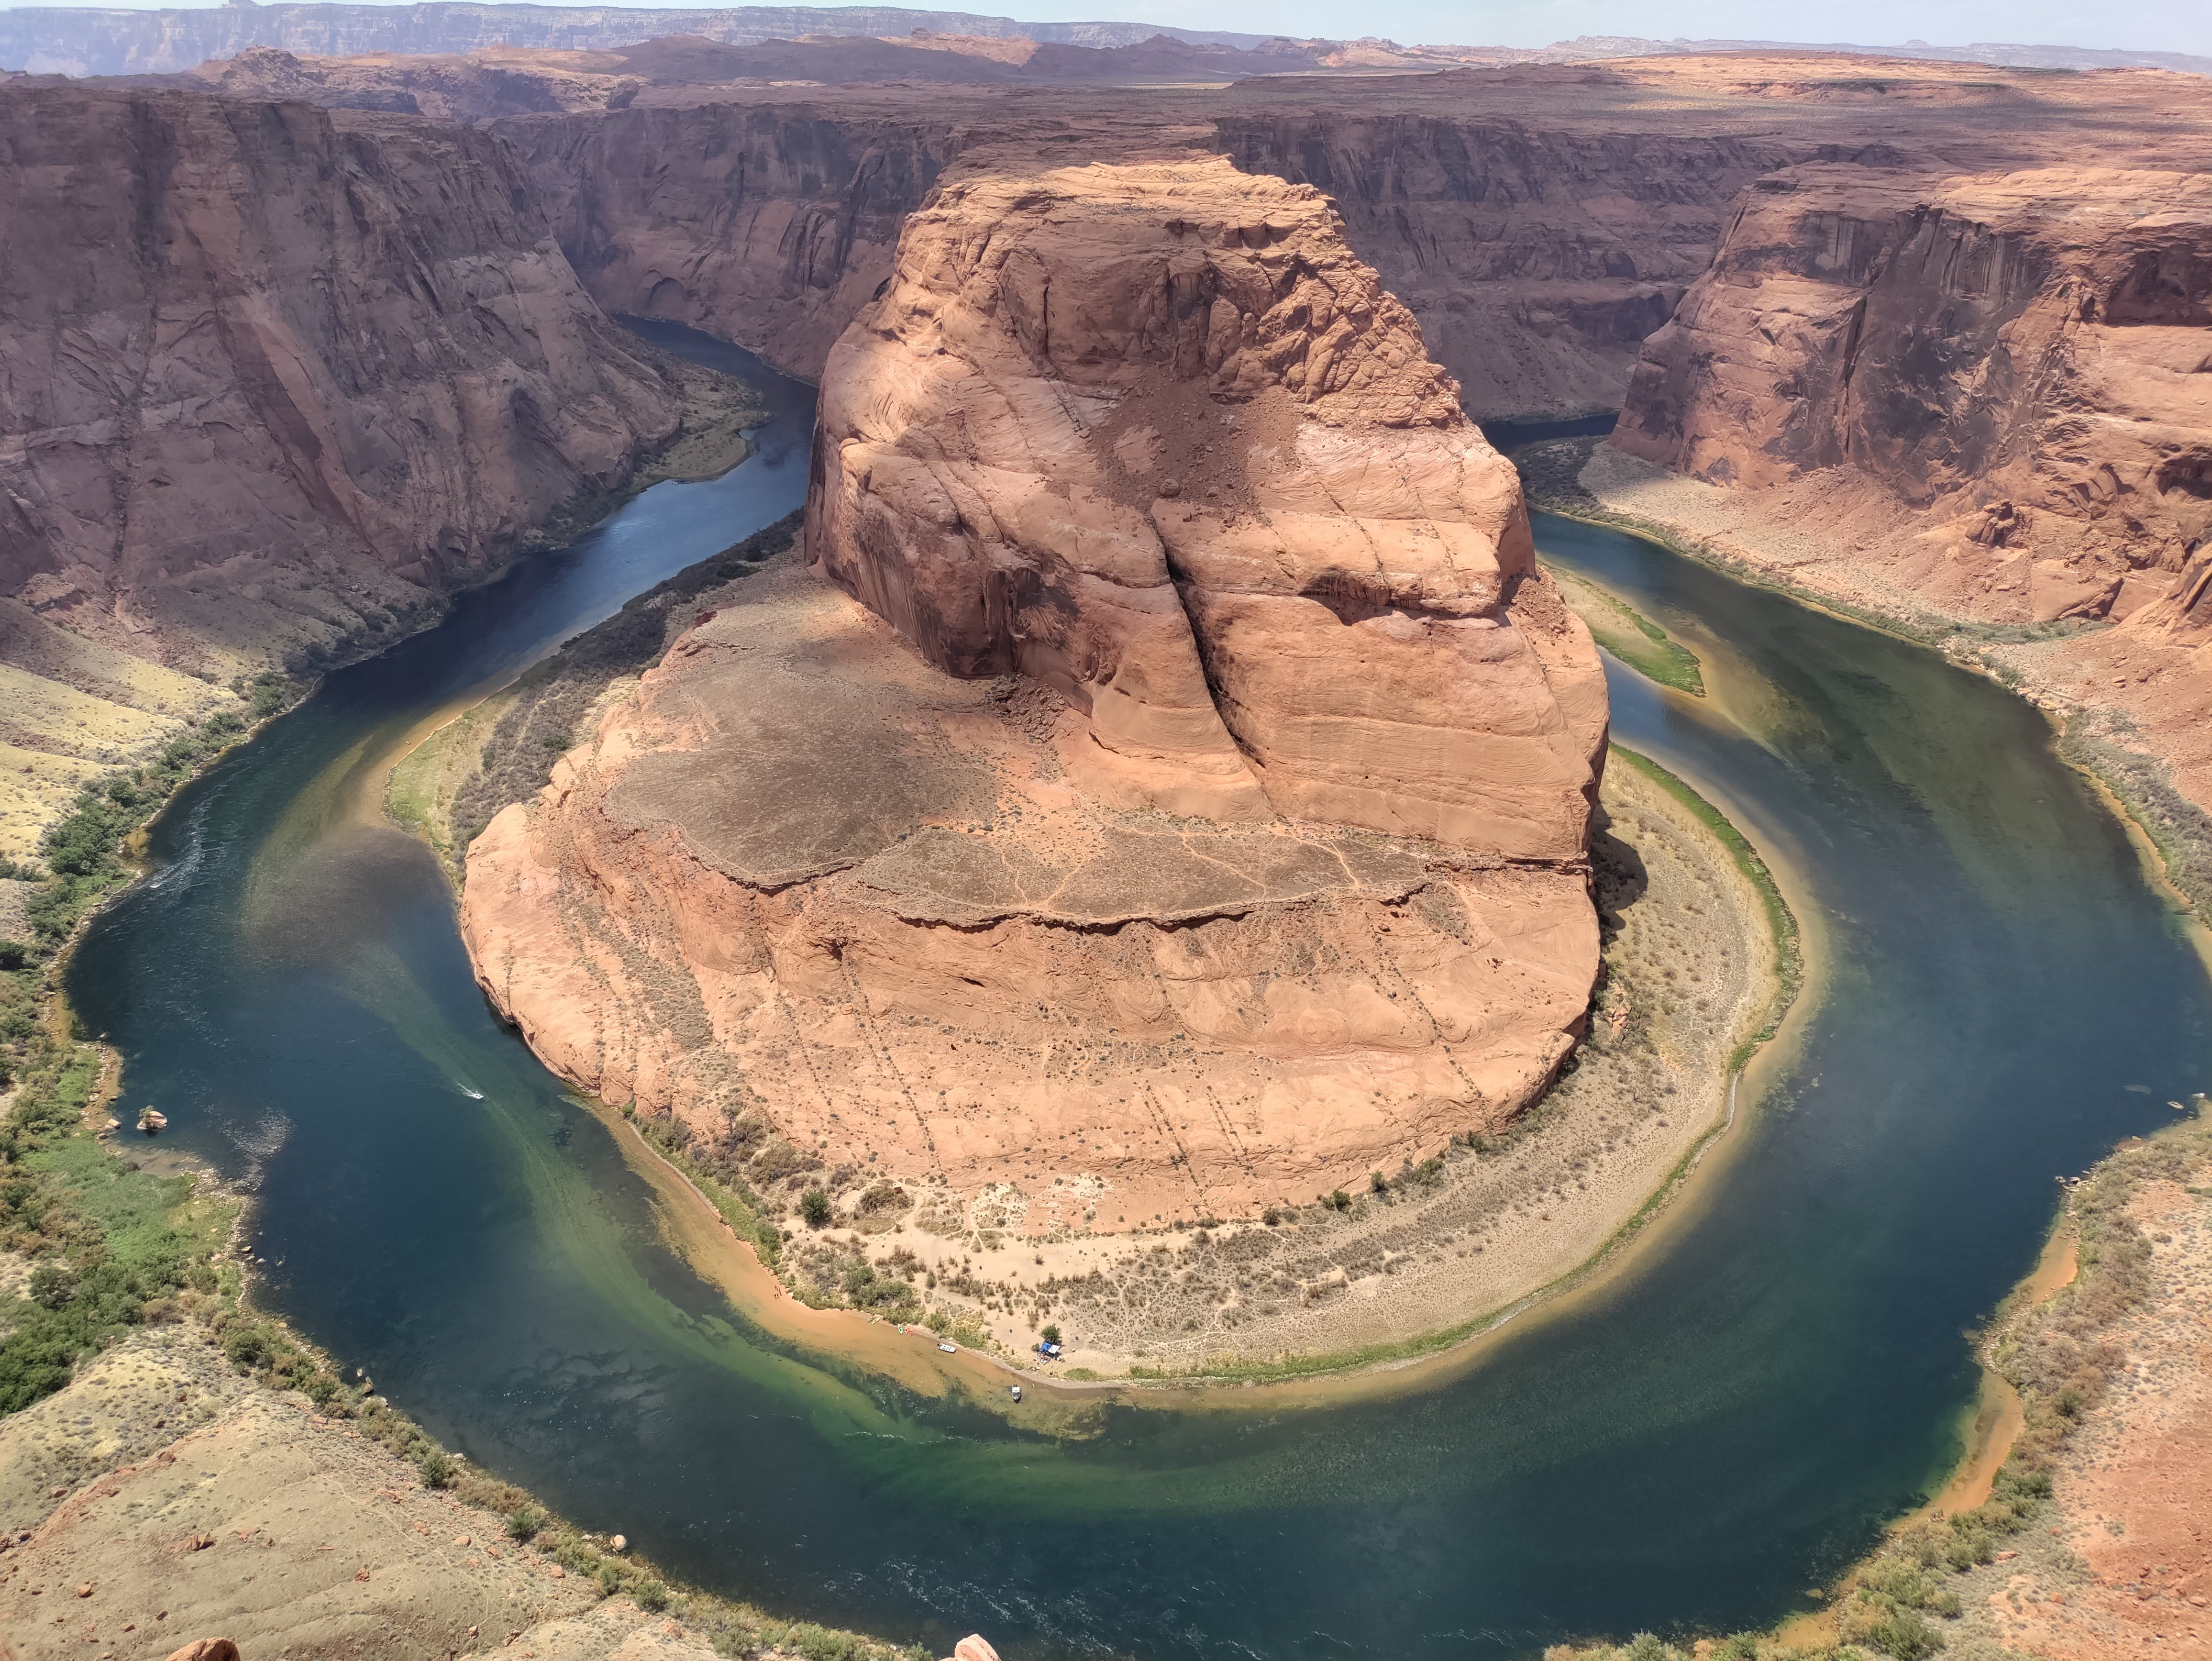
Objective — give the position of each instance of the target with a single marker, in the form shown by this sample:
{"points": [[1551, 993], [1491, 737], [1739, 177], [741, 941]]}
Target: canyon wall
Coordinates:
{"points": [[2022, 363], [768, 223], [1189, 818], [270, 376], [1536, 258]]}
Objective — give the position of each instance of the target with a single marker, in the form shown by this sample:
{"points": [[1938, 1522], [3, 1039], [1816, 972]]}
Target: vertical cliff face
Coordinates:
{"points": [[266, 335], [769, 224], [270, 376], [1153, 434], [2022, 361], [1537, 259]]}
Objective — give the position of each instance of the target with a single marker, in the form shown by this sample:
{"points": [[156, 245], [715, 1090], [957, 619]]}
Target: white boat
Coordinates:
{"points": [[1017, 1392], [950, 1349]]}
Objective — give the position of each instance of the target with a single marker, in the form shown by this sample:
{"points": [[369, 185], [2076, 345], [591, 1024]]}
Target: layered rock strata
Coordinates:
{"points": [[1191, 815], [2022, 364], [1160, 440], [274, 376]]}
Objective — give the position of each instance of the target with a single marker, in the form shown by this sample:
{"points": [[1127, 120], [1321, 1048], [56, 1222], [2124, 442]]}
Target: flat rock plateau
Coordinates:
{"points": [[1213, 766]]}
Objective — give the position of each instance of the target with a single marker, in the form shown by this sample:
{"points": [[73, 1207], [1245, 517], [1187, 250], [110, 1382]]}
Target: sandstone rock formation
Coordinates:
{"points": [[270, 376], [2023, 363], [1538, 221], [248, 337], [1160, 440], [1207, 831], [1534, 241]]}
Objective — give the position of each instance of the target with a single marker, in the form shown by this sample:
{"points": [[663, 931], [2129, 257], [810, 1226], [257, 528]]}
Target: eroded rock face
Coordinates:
{"points": [[2018, 361], [767, 223], [1151, 434], [267, 362], [1191, 817]]}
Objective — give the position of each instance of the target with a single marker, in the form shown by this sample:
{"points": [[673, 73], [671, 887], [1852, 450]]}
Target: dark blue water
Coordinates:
{"points": [[1687, 1448]]}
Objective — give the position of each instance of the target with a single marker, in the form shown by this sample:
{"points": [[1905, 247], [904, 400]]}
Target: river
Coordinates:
{"points": [[1689, 1447]]}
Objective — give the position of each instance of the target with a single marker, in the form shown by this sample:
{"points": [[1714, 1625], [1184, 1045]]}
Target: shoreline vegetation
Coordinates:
{"points": [[102, 1252], [1979, 1572], [124, 1275], [1630, 636], [719, 409]]}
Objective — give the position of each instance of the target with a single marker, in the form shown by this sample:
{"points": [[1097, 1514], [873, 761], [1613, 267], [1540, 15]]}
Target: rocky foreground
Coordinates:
{"points": [[1190, 815]]}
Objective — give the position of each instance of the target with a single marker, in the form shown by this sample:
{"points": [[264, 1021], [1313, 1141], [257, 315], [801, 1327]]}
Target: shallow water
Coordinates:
{"points": [[1691, 1445]]}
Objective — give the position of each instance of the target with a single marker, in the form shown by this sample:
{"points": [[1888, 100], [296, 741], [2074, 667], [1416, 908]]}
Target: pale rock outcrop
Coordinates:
{"points": [[1151, 434]]}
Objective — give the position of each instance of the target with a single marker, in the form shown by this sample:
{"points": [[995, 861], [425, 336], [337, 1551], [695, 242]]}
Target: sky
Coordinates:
{"points": [[2141, 26]]}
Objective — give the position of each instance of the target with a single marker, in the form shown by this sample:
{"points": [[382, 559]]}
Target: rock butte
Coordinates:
{"points": [[1212, 764]]}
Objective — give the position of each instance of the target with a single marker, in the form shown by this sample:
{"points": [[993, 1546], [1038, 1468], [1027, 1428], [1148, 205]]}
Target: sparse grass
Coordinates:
{"points": [[1899, 1600], [543, 712], [2180, 830], [1781, 921], [1630, 636]]}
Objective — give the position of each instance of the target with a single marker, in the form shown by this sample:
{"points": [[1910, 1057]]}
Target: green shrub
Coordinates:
{"points": [[53, 1285], [817, 1644], [814, 1207], [1341, 1200], [651, 1597], [436, 1468], [247, 1345], [524, 1524], [1378, 1182]]}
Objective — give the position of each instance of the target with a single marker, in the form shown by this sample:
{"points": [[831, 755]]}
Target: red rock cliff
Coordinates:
{"points": [[1537, 248], [256, 351], [1151, 433], [1149, 462], [2019, 361]]}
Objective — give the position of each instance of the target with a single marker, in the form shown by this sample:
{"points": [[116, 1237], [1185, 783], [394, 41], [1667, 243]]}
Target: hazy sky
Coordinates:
{"points": [[2144, 25], [2149, 25]]}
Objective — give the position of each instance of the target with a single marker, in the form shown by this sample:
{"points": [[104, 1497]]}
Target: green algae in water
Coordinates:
{"points": [[1630, 636]]}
